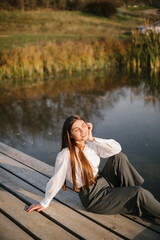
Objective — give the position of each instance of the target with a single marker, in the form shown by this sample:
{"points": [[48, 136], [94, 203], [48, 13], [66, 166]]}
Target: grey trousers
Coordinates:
{"points": [[118, 190]]}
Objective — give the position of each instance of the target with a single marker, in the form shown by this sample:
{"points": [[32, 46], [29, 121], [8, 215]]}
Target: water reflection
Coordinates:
{"points": [[123, 107]]}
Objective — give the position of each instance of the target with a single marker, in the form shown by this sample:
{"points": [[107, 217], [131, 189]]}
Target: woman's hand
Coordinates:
{"points": [[90, 136], [37, 207]]}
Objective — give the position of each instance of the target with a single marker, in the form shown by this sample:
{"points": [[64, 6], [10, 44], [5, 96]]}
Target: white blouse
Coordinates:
{"points": [[93, 151]]}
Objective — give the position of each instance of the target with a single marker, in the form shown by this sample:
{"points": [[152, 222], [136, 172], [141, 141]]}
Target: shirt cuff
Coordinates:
{"points": [[45, 203]]}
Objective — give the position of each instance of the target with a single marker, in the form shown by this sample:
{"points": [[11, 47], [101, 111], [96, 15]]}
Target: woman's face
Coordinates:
{"points": [[79, 131]]}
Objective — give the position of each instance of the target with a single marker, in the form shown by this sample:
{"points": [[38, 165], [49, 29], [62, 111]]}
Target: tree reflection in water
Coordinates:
{"points": [[41, 109]]}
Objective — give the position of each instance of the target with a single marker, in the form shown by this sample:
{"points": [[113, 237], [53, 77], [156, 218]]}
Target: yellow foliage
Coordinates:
{"points": [[33, 60]]}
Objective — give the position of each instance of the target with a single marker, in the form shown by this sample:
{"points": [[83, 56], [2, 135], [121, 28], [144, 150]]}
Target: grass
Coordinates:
{"points": [[139, 8], [16, 40], [19, 28]]}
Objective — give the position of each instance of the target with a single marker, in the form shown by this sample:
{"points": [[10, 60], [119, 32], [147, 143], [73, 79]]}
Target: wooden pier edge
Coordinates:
{"points": [[22, 182]]}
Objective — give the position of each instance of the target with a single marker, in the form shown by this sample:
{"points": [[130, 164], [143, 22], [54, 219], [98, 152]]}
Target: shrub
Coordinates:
{"points": [[101, 8]]}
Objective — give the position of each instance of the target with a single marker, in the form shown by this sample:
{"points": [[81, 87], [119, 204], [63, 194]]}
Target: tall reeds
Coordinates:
{"points": [[142, 52], [36, 62], [145, 51]]}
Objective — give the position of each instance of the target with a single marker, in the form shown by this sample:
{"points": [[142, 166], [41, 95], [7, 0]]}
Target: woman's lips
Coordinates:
{"points": [[83, 136]]}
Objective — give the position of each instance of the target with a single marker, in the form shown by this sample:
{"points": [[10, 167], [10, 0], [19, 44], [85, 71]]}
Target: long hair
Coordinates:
{"points": [[83, 163]]}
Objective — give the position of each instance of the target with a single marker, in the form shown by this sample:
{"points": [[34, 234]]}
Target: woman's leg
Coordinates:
{"points": [[129, 200], [125, 192], [119, 172]]}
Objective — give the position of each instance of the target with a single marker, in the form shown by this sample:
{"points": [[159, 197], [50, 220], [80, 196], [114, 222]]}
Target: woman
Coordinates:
{"points": [[117, 189]]}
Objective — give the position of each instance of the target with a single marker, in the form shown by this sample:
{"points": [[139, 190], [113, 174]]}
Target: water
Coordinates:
{"points": [[123, 107]]}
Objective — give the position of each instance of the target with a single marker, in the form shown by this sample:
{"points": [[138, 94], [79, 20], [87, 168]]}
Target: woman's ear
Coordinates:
{"points": [[70, 136]]}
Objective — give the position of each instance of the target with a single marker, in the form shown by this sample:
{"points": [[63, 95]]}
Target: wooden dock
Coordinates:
{"points": [[22, 182]]}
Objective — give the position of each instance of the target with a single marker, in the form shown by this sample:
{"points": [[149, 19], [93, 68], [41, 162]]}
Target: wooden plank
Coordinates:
{"points": [[10, 231], [36, 164], [117, 222], [36, 223], [26, 159], [59, 212]]}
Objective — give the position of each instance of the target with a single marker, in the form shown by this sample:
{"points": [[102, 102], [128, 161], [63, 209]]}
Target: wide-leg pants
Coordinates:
{"points": [[118, 190]]}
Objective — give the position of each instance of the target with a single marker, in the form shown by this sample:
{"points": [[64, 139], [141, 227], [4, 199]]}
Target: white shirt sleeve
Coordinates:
{"points": [[57, 180], [106, 147]]}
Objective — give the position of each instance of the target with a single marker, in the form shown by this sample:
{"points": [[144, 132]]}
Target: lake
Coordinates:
{"points": [[122, 106]]}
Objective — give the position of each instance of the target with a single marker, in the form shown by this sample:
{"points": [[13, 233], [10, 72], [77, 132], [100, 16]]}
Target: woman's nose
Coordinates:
{"points": [[81, 130]]}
